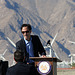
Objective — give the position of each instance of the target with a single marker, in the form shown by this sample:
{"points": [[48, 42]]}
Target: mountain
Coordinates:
{"points": [[47, 18]]}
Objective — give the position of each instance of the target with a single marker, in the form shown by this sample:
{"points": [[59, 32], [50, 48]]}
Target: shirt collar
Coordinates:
{"points": [[27, 41]]}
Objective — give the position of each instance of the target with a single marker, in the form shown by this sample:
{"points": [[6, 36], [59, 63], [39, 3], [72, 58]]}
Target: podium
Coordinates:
{"points": [[46, 65]]}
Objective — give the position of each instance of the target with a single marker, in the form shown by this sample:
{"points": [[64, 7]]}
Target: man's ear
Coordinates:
{"points": [[30, 31], [24, 58], [14, 60]]}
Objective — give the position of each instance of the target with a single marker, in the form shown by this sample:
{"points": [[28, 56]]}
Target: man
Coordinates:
{"points": [[30, 44], [20, 68]]}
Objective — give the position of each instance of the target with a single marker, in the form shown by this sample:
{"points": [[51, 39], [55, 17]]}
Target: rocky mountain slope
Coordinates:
{"points": [[47, 18]]}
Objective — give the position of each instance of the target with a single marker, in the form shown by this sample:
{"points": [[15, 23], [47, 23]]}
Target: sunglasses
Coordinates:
{"points": [[25, 32]]}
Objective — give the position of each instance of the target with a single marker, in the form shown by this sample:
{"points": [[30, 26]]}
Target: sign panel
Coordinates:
{"points": [[44, 67]]}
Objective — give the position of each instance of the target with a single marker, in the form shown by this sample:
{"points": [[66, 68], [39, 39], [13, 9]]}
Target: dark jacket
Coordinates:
{"points": [[21, 69], [37, 46]]}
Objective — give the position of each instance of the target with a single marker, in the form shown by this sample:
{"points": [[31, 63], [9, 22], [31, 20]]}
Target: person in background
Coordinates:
{"points": [[20, 68], [30, 44]]}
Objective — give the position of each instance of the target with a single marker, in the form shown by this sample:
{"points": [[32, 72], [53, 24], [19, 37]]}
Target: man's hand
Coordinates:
{"points": [[43, 56]]}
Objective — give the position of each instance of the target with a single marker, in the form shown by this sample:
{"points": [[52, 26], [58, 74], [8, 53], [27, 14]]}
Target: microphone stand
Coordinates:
{"points": [[51, 51]]}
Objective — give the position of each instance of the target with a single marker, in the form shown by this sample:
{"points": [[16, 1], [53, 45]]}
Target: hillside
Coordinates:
{"points": [[47, 17]]}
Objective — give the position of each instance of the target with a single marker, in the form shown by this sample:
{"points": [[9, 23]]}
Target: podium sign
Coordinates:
{"points": [[46, 65]]}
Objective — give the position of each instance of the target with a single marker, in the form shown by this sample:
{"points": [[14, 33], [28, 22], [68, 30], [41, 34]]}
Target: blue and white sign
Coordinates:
{"points": [[44, 67]]}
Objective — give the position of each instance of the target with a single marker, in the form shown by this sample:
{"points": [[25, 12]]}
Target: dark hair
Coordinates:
{"points": [[26, 25], [18, 56]]}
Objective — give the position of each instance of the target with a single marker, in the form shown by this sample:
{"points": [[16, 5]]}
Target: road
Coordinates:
{"points": [[66, 72]]}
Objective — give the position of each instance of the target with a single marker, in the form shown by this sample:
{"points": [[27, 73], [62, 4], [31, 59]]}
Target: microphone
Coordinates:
{"points": [[48, 42]]}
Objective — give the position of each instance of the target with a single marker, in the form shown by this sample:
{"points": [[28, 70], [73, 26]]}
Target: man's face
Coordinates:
{"points": [[26, 33]]}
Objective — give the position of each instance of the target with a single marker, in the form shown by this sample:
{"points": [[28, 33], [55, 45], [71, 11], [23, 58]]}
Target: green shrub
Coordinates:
{"points": [[73, 64]]}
